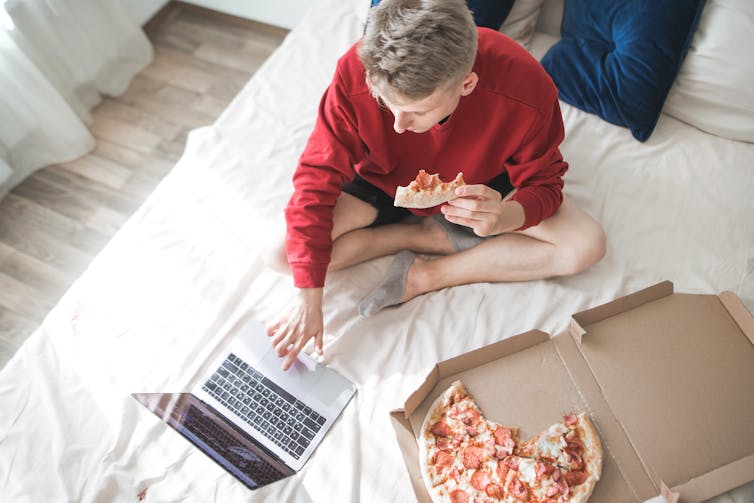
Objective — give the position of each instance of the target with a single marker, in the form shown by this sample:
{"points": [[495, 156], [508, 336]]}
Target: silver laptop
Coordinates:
{"points": [[257, 421]]}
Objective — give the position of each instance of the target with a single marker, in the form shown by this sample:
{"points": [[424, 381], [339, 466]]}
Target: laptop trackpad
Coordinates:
{"points": [[308, 380]]}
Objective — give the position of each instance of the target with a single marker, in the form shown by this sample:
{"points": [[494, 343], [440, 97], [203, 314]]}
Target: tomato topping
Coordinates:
{"points": [[577, 461], [574, 478], [519, 489], [502, 470], [542, 469], [441, 429], [502, 435], [459, 496], [556, 475], [426, 181], [472, 457], [443, 458], [494, 491], [480, 480]]}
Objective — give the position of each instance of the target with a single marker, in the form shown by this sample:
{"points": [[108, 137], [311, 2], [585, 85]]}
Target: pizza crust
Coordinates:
{"points": [[407, 198], [426, 438], [592, 457]]}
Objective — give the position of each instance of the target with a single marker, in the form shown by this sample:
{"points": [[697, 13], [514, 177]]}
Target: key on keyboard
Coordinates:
{"points": [[271, 410]]}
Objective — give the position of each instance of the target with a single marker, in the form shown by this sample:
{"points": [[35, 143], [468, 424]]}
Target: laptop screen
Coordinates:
{"points": [[229, 446]]}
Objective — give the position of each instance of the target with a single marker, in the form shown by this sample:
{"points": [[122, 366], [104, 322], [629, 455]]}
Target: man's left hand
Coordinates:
{"points": [[484, 210]]}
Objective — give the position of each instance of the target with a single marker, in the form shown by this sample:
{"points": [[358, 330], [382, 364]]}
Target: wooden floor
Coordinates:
{"points": [[55, 222]]}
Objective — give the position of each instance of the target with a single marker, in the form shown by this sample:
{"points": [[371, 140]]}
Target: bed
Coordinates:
{"points": [[166, 293]]}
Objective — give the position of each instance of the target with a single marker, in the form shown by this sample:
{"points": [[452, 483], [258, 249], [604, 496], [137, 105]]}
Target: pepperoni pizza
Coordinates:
{"points": [[465, 457]]}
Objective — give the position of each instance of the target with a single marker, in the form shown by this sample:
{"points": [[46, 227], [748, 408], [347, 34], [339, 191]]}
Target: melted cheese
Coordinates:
{"points": [[551, 444], [527, 470]]}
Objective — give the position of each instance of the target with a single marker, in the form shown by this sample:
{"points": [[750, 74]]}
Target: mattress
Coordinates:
{"points": [[166, 293]]}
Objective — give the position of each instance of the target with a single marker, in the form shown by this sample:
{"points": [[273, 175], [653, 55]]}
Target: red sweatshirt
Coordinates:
{"points": [[510, 122]]}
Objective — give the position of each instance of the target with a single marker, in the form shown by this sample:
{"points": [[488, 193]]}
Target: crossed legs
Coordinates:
{"points": [[566, 243]]}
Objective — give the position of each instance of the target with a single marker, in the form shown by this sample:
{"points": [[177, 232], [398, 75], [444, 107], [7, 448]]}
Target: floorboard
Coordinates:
{"points": [[56, 221]]}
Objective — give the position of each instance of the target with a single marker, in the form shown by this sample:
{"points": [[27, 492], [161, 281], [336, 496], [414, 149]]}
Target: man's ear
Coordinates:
{"points": [[469, 83]]}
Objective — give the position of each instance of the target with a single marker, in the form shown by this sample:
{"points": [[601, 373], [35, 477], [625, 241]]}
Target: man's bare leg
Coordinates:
{"points": [[360, 245], [568, 242], [354, 242]]}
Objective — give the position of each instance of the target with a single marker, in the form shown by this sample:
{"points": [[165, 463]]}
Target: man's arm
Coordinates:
{"points": [[326, 163], [537, 168]]}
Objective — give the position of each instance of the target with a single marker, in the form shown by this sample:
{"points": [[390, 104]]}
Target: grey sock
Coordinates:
{"points": [[390, 291], [460, 237]]}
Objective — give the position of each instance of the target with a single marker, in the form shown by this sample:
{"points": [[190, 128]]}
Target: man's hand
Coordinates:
{"points": [[483, 209], [304, 321]]}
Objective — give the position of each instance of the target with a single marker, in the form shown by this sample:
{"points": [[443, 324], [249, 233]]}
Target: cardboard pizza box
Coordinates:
{"points": [[667, 378]]}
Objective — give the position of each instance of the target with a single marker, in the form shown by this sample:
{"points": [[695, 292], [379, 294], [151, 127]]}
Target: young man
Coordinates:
{"points": [[425, 89]]}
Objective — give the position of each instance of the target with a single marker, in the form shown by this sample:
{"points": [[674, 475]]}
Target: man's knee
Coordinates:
{"points": [[584, 249], [275, 258]]}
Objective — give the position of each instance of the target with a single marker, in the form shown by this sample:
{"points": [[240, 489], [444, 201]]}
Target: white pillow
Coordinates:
{"points": [[714, 90], [541, 43], [521, 21]]}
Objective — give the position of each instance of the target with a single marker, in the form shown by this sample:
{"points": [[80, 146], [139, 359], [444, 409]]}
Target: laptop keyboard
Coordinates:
{"points": [[267, 407]]}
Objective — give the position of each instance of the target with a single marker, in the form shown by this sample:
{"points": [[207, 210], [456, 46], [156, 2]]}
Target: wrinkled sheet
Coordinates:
{"points": [[163, 296]]}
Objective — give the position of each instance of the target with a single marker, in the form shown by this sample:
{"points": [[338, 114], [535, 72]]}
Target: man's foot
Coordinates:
{"points": [[392, 290]]}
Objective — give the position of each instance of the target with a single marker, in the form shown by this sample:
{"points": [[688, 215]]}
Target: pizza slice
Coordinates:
{"points": [[444, 432], [484, 446], [572, 443], [456, 441], [427, 191], [536, 480]]}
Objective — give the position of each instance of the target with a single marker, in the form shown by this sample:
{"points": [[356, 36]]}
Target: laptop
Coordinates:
{"points": [[260, 423]]}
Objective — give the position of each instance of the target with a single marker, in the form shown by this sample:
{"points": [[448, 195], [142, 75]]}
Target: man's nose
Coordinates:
{"points": [[402, 122]]}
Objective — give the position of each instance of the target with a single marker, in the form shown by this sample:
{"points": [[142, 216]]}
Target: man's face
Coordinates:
{"points": [[419, 116]]}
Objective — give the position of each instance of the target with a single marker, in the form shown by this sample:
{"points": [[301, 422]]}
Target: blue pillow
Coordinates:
{"points": [[619, 58], [490, 13], [487, 13]]}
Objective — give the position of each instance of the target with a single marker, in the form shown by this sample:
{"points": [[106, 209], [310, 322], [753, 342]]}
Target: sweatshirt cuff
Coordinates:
{"points": [[307, 275], [532, 208]]}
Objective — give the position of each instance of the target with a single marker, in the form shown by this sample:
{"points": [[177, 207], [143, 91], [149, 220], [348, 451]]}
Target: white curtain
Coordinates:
{"points": [[57, 58]]}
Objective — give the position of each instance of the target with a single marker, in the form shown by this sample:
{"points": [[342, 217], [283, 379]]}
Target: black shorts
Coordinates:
{"points": [[387, 212]]}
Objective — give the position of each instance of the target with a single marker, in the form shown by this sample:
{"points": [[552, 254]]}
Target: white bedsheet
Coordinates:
{"points": [[158, 302]]}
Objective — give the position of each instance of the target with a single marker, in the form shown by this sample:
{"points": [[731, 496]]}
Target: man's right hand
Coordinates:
{"points": [[303, 321]]}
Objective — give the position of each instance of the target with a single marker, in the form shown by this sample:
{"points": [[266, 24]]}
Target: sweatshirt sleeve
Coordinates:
{"points": [[326, 163], [537, 168]]}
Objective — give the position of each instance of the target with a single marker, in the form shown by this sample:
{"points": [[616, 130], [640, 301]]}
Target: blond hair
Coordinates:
{"points": [[413, 47]]}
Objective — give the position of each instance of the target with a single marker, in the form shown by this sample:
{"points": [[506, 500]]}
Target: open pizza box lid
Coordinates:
{"points": [[667, 378]]}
